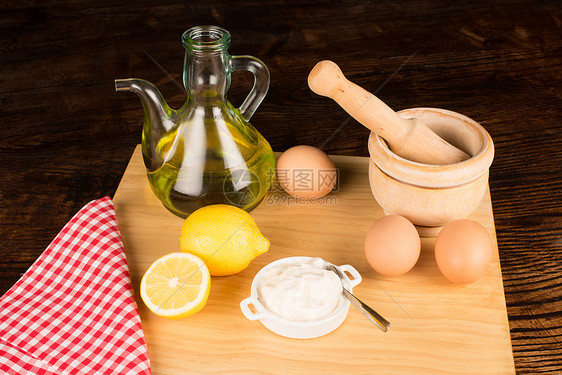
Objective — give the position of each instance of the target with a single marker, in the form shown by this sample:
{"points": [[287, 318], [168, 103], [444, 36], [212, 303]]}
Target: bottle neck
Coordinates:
{"points": [[206, 73]]}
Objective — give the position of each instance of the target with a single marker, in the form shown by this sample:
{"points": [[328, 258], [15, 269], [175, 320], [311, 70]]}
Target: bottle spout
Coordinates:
{"points": [[124, 84], [156, 110], [147, 92], [159, 118]]}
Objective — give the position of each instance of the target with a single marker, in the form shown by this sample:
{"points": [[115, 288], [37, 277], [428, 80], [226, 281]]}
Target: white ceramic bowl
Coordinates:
{"points": [[289, 328]]}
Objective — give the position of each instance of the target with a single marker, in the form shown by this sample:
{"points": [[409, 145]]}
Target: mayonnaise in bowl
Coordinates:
{"points": [[302, 292], [298, 297]]}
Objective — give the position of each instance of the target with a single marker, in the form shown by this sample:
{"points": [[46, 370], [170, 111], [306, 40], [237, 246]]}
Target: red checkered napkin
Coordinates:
{"points": [[73, 311]]}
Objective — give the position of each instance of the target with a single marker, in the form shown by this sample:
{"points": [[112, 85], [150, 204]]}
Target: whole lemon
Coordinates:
{"points": [[225, 237]]}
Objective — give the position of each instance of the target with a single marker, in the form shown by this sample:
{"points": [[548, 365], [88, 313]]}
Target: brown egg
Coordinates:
{"points": [[392, 245], [463, 251], [306, 172]]}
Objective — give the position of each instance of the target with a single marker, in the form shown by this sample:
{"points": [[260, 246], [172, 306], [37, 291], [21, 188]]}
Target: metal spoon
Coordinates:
{"points": [[371, 314]]}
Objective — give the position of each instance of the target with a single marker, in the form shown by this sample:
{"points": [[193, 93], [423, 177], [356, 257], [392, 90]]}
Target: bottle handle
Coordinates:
{"points": [[261, 82]]}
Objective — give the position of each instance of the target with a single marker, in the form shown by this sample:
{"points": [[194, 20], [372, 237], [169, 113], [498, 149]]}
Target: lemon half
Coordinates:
{"points": [[176, 285]]}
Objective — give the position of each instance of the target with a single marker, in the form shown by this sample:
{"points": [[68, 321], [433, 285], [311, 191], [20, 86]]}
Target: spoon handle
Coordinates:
{"points": [[371, 314]]}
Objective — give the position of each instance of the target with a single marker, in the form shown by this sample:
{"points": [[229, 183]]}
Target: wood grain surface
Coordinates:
{"points": [[436, 327], [66, 137]]}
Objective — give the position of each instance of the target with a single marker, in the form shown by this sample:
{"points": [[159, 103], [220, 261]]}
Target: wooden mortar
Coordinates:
{"points": [[431, 196]]}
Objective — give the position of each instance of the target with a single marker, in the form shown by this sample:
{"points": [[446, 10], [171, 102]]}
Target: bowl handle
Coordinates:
{"points": [[353, 272], [248, 313]]}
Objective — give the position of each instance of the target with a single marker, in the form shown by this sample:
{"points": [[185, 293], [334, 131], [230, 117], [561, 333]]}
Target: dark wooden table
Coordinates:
{"points": [[66, 136]]}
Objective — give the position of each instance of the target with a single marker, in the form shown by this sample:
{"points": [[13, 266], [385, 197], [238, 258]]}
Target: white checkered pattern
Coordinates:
{"points": [[73, 311]]}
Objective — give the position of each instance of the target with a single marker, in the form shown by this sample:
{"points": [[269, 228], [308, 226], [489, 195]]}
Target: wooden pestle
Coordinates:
{"points": [[408, 138]]}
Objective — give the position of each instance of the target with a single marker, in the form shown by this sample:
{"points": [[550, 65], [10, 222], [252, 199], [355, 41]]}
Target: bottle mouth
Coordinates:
{"points": [[206, 38]]}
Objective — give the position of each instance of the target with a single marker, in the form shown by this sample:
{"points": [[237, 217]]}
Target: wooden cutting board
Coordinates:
{"points": [[436, 326]]}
